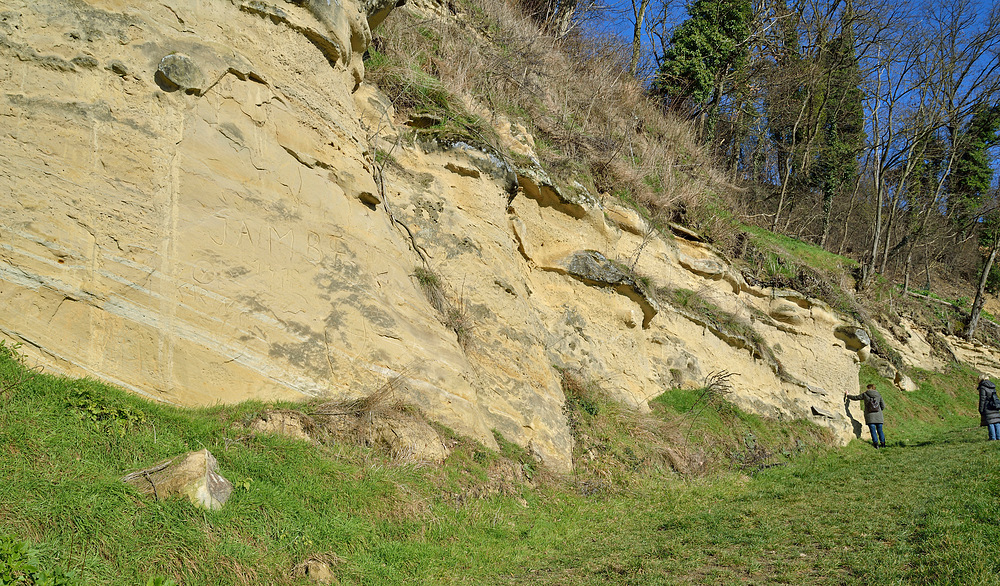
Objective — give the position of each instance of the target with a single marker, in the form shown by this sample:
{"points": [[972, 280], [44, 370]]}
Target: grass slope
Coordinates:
{"points": [[922, 511]]}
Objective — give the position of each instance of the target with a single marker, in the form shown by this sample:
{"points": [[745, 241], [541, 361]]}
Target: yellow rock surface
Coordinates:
{"points": [[229, 241]]}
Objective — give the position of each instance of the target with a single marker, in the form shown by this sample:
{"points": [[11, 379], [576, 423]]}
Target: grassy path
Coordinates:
{"points": [[917, 514], [924, 511]]}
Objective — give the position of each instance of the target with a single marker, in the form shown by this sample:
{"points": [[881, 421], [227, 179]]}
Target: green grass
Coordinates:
{"points": [[800, 252], [925, 509], [775, 260], [943, 402]]}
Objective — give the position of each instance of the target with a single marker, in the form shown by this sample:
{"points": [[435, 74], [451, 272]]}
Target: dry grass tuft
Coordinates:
{"points": [[353, 418], [450, 306], [591, 121]]}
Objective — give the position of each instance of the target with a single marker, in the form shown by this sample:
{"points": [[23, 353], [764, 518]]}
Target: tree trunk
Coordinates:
{"points": [[914, 239], [868, 271], [889, 220], [977, 305], [909, 265], [788, 164], [847, 218], [879, 161], [706, 130], [897, 196], [640, 14], [927, 267], [781, 195], [827, 209]]}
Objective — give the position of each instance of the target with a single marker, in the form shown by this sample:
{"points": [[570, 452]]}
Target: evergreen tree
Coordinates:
{"points": [[815, 112], [973, 174], [971, 185], [843, 121], [705, 52]]}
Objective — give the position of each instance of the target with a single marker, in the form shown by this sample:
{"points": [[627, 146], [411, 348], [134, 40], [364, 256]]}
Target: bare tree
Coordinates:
{"points": [[954, 72], [639, 14], [894, 88]]}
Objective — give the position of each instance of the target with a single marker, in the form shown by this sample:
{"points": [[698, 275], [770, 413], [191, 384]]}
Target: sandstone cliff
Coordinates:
{"points": [[192, 208]]}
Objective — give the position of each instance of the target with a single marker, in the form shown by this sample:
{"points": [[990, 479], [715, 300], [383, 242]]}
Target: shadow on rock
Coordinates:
{"points": [[857, 425]]}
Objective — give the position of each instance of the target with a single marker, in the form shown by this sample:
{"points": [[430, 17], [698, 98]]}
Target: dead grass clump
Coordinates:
{"points": [[433, 288], [409, 61], [368, 407], [382, 421], [354, 419], [582, 397], [715, 394], [451, 307]]}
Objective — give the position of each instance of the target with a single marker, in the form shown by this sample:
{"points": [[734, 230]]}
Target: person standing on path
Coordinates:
{"points": [[989, 416], [874, 405]]}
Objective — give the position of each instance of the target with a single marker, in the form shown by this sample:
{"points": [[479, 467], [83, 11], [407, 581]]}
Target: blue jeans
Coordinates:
{"points": [[993, 429], [877, 437]]}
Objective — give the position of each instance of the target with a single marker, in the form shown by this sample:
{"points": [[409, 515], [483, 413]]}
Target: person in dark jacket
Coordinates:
{"points": [[874, 405], [988, 418]]}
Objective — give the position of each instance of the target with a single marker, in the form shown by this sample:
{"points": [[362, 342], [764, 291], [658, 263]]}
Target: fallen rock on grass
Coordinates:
{"points": [[193, 475], [318, 568]]}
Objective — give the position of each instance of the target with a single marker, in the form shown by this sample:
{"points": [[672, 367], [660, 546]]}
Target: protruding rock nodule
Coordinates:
{"points": [[180, 72], [854, 337], [821, 413], [592, 267]]}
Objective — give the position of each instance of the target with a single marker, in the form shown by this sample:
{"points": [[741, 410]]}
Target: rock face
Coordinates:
{"points": [[188, 210], [194, 475]]}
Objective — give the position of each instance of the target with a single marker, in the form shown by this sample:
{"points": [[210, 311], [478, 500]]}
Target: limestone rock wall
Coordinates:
{"points": [[188, 209]]}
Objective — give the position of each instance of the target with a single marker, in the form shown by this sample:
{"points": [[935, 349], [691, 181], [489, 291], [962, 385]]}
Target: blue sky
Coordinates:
{"points": [[616, 18]]}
